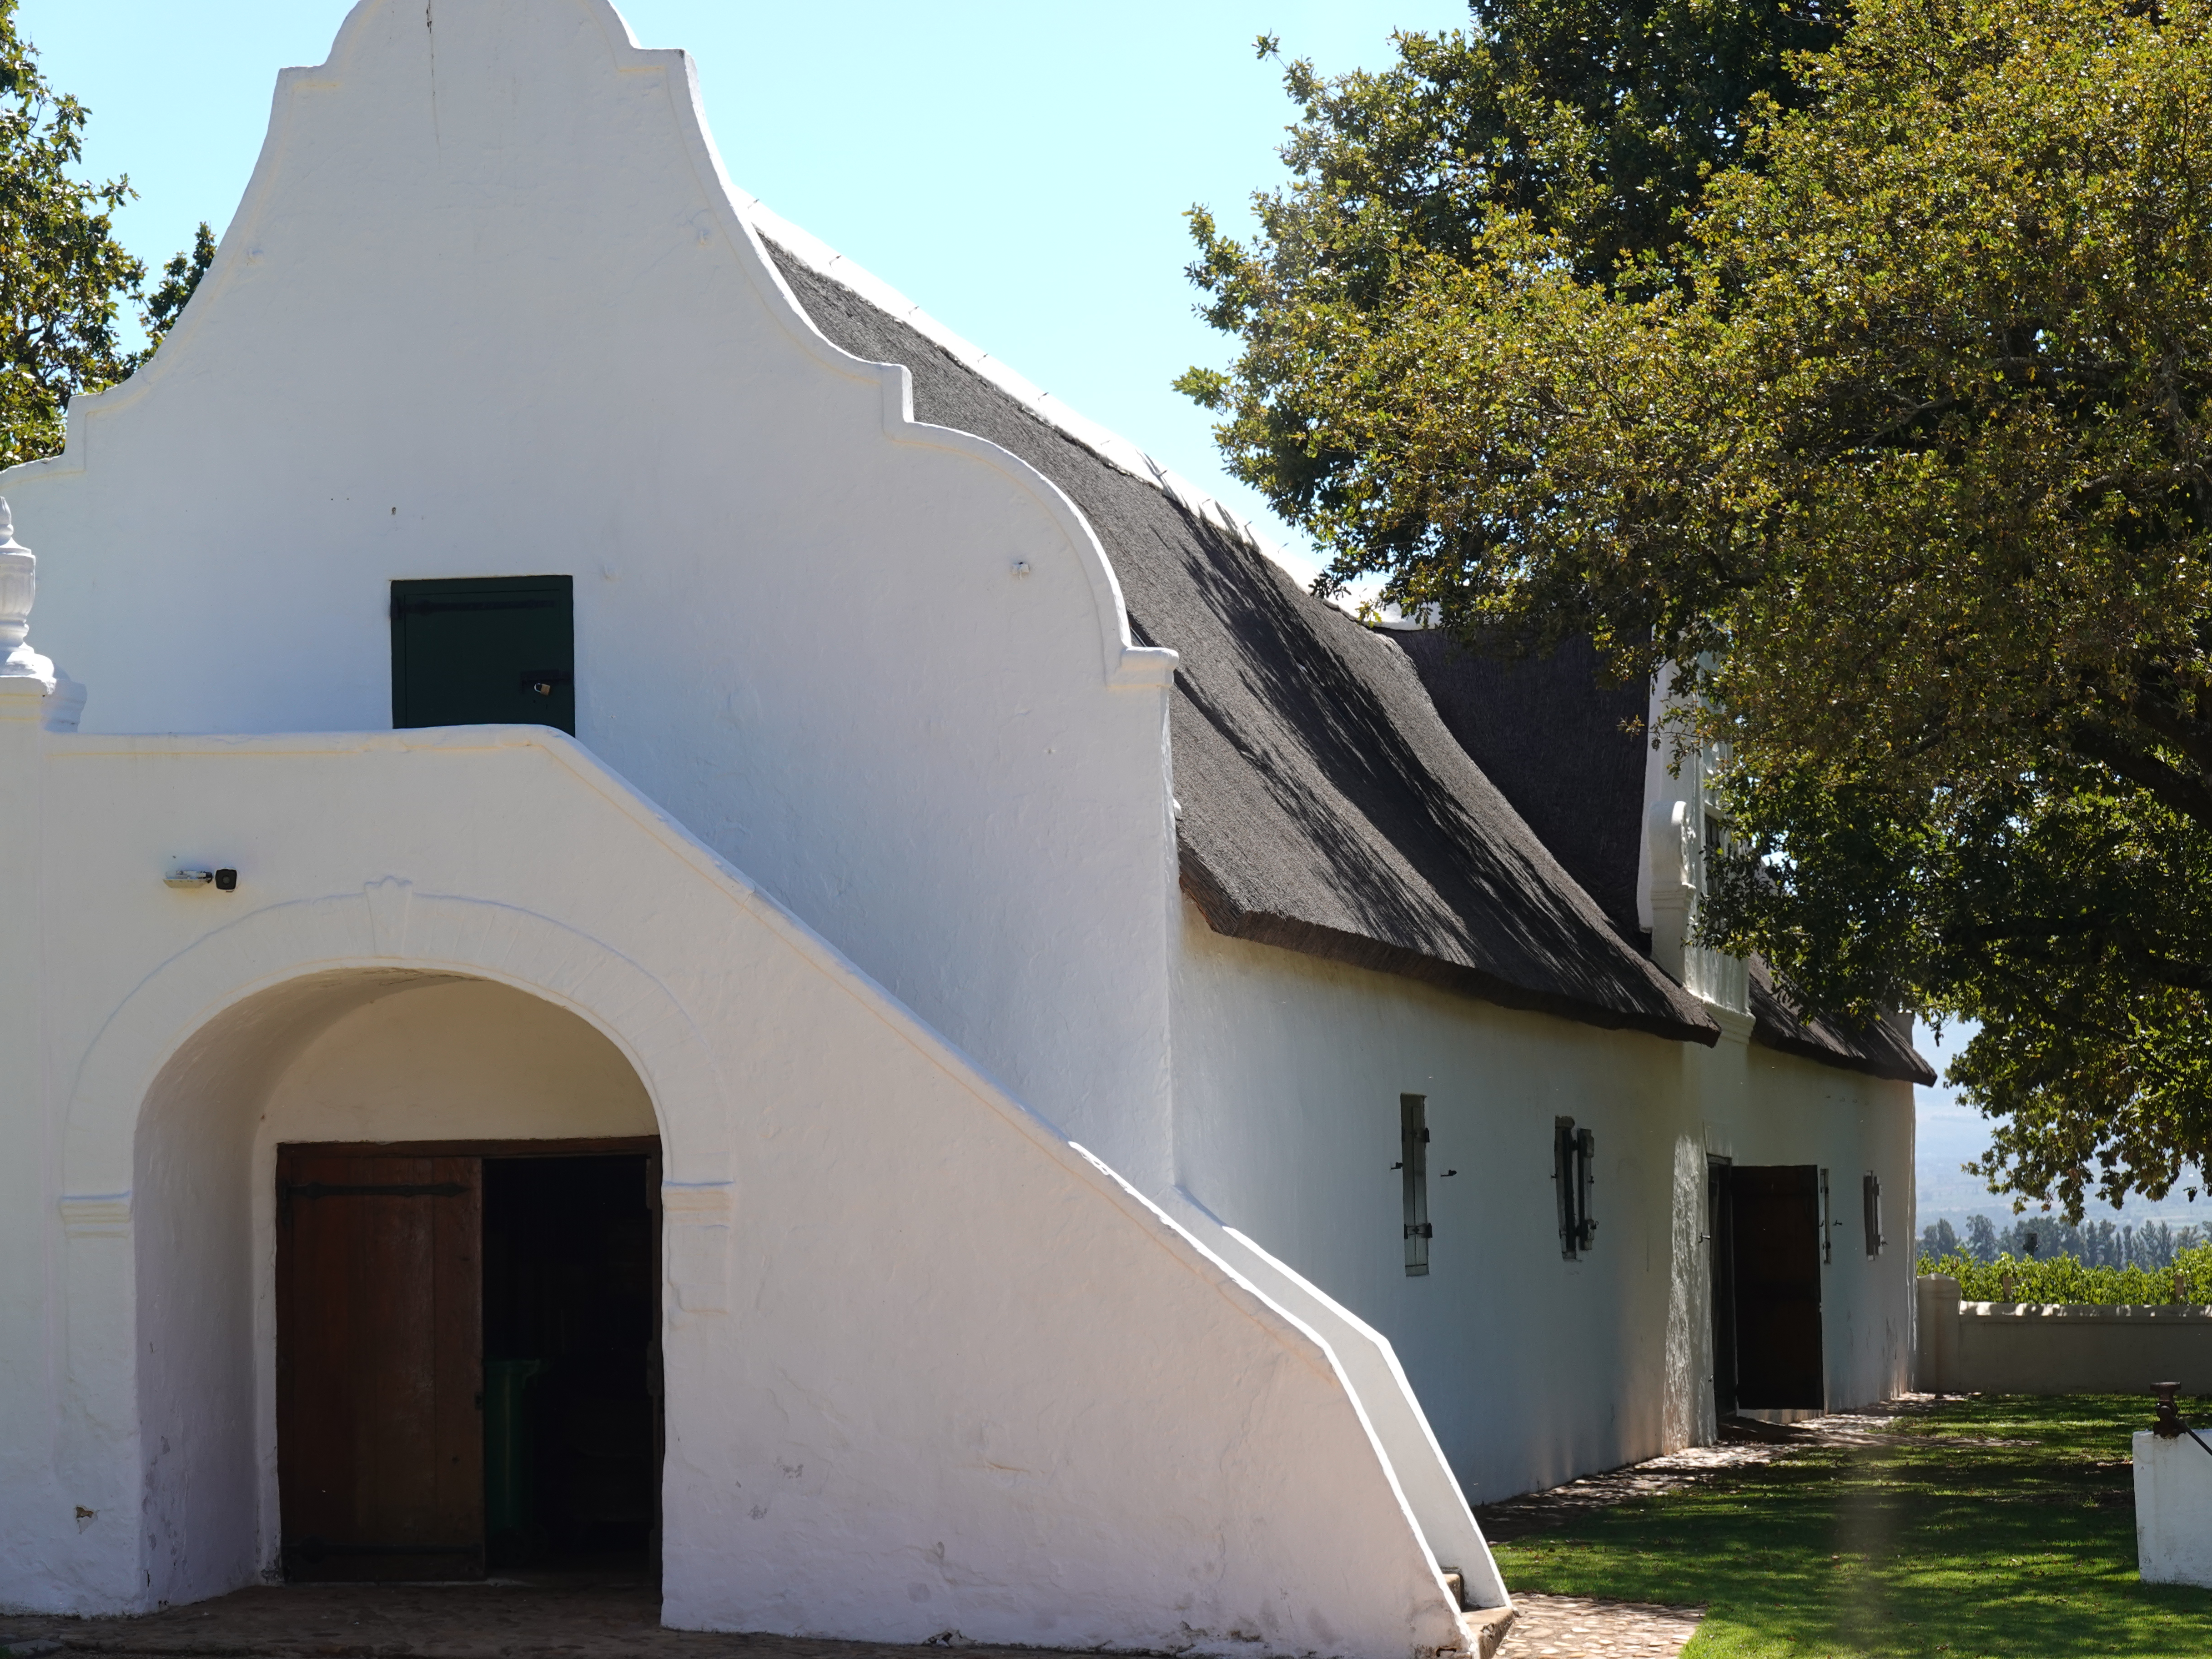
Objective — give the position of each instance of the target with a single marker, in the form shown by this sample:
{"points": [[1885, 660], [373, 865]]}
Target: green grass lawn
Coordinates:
{"points": [[2001, 1527]]}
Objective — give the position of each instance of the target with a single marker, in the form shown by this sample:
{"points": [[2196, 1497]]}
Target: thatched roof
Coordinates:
{"points": [[1566, 748], [1875, 1049], [1391, 801], [1325, 808]]}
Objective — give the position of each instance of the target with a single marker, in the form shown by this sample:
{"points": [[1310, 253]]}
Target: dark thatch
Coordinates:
{"points": [[1325, 807], [1875, 1049], [1566, 747]]}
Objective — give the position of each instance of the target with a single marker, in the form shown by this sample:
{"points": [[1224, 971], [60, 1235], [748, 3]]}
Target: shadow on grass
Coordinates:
{"points": [[1995, 1528]]}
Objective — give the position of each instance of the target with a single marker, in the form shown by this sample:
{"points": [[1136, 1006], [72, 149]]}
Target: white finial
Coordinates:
{"points": [[61, 698], [19, 582]]}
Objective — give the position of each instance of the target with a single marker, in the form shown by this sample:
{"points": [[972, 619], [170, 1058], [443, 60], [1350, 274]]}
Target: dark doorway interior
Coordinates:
{"points": [[1775, 1257], [468, 1359], [572, 1414]]}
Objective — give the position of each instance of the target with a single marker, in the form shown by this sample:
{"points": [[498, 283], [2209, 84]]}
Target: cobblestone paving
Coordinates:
{"points": [[1578, 1627], [618, 1619], [424, 1621]]}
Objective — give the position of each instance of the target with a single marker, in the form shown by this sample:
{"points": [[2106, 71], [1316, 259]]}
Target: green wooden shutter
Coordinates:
{"points": [[1413, 1159], [485, 651], [1585, 1176], [1574, 1168]]}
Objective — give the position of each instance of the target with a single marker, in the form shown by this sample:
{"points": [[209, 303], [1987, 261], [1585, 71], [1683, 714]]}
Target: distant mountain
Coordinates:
{"points": [[1952, 1133]]}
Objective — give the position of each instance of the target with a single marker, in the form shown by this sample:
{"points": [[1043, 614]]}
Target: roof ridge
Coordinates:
{"points": [[1111, 446]]}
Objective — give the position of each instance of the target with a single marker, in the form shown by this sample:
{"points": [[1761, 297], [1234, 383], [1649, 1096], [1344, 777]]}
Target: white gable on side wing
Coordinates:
{"points": [[489, 308]]}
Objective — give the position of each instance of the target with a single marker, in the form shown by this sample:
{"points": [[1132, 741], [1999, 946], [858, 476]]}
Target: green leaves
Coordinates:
{"points": [[1554, 139], [61, 268], [1870, 387], [2068, 915], [62, 275], [2064, 1279], [180, 280]]}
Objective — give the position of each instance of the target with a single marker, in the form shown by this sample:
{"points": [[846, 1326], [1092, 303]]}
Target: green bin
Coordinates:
{"points": [[510, 1497]]}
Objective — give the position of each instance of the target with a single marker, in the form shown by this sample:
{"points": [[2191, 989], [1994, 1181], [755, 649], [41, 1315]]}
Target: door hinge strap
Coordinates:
{"points": [[419, 1189]]}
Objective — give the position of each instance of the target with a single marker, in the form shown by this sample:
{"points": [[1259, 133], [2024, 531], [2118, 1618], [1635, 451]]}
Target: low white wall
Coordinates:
{"points": [[2054, 1347], [1531, 1370], [932, 1371]]}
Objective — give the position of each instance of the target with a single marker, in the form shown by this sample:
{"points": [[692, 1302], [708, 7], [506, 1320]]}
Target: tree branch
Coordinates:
{"points": [[2187, 795]]}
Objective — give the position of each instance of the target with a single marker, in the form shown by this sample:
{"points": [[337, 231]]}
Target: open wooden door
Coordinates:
{"points": [[1775, 1217], [379, 1347]]}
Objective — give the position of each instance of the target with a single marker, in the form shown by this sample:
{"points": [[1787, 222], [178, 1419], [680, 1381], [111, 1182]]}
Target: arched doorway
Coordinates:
{"points": [[399, 1270]]}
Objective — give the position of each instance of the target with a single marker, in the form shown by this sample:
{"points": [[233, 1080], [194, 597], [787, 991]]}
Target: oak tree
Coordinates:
{"points": [[1889, 439]]}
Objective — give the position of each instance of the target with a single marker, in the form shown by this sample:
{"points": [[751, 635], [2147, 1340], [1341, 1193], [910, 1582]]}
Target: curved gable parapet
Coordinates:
{"points": [[1126, 663], [1108, 446], [377, 31]]}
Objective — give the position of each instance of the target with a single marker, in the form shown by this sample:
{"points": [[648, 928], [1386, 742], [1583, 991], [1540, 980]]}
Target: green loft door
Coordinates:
{"points": [[485, 651]]}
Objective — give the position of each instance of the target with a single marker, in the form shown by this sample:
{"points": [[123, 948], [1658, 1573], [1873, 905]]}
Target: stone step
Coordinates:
{"points": [[1486, 1627]]}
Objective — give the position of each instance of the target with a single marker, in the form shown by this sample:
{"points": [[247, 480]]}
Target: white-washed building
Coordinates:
{"points": [[1017, 1076]]}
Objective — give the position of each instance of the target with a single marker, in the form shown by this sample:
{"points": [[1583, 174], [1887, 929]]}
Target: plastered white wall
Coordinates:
{"points": [[454, 1060], [1394, 1412], [487, 308], [1532, 1369], [930, 1367], [2173, 1510]]}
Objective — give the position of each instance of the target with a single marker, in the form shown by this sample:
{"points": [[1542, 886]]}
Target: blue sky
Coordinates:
{"points": [[1020, 170]]}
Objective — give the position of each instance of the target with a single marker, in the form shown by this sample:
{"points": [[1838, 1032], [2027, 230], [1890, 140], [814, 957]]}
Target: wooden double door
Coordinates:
{"points": [[405, 1275]]}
